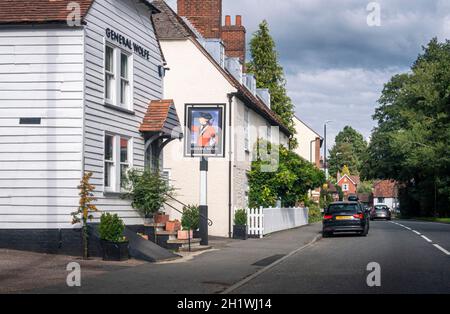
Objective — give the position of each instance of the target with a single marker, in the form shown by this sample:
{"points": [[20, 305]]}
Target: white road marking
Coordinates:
{"points": [[442, 249], [408, 228], [416, 232], [428, 240]]}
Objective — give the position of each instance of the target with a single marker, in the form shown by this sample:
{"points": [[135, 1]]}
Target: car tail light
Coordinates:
{"points": [[328, 217], [359, 216]]}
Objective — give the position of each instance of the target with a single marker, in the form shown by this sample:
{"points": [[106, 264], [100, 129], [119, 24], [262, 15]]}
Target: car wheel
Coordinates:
{"points": [[325, 234]]}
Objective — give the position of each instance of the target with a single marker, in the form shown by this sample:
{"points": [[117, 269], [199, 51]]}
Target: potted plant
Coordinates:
{"points": [[115, 246], [148, 191], [173, 226], [190, 221], [240, 225]]}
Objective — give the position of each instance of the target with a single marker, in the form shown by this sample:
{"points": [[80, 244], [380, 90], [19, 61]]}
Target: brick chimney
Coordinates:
{"points": [[233, 37], [317, 153], [205, 15]]}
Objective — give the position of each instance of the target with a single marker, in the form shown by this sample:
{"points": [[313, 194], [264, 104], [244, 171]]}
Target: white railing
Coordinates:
{"points": [[263, 221]]}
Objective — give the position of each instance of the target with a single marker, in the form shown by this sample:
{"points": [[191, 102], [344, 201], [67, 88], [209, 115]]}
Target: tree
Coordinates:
{"points": [[345, 170], [85, 210], [411, 143], [290, 182], [270, 74], [349, 150]]}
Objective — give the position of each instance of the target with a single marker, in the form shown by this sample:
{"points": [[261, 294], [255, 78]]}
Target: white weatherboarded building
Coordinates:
{"points": [[72, 100]]}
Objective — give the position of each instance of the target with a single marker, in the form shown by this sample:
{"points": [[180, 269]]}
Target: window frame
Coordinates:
{"points": [[117, 78], [116, 169]]}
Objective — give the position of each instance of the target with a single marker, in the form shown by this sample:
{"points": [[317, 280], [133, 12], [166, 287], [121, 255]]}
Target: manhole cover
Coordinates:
{"points": [[268, 260]]}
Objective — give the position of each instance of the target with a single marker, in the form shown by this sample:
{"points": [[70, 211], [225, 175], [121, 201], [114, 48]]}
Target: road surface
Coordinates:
{"points": [[414, 258]]}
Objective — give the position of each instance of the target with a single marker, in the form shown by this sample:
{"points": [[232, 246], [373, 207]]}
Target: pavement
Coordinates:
{"points": [[413, 257], [211, 272]]}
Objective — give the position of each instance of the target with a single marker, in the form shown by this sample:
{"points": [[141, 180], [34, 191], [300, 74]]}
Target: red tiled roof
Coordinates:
{"points": [[156, 116], [39, 11], [386, 189], [355, 179]]}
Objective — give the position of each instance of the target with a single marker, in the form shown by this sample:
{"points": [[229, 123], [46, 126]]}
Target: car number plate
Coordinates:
{"points": [[344, 217]]}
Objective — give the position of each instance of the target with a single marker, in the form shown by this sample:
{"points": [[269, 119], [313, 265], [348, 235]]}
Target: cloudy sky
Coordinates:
{"points": [[335, 63]]}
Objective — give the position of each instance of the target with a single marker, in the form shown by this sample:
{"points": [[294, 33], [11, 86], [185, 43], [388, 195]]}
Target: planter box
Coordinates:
{"points": [[184, 235], [240, 232], [173, 226], [115, 252], [161, 219]]}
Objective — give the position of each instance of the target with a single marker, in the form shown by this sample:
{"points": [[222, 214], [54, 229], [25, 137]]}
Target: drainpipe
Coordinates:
{"points": [[230, 163]]}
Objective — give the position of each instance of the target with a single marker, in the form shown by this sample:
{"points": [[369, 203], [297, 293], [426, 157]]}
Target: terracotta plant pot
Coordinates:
{"points": [[185, 235], [173, 226], [161, 218]]}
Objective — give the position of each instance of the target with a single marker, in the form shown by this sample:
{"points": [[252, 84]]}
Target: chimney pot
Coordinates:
{"points": [[238, 20], [228, 20]]}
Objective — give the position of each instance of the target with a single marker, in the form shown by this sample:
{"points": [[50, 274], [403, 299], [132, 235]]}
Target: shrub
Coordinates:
{"points": [[111, 228], [240, 217], [148, 191], [191, 217], [314, 214]]}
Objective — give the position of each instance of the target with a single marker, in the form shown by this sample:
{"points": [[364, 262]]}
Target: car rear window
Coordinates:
{"points": [[337, 208], [380, 208]]}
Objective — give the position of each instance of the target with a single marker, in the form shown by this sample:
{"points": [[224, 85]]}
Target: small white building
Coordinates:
{"points": [[385, 192], [76, 80], [205, 62]]}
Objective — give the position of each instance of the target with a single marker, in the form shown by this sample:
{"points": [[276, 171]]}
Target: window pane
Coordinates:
{"points": [[123, 92], [123, 173], [109, 59], [123, 150], [109, 148], [108, 86], [108, 168], [124, 66]]}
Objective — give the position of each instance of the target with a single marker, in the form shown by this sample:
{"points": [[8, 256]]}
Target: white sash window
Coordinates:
{"points": [[118, 82]]}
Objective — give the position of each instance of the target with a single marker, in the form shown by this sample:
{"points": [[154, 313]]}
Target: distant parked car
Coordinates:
{"points": [[380, 212], [345, 217]]}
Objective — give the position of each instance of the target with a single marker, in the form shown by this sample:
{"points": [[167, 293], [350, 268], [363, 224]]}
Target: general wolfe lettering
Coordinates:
{"points": [[128, 43]]}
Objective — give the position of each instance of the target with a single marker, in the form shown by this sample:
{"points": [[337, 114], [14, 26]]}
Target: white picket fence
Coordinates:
{"points": [[263, 221]]}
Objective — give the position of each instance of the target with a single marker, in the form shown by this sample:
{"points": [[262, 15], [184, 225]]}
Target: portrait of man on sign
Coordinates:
{"points": [[205, 127]]}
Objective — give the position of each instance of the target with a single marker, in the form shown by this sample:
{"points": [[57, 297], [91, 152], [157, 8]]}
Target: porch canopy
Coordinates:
{"points": [[161, 126]]}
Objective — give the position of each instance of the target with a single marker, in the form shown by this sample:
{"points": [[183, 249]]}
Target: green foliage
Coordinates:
{"points": [[240, 217], [289, 181], [365, 187], [148, 191], [85, 209], [411, 143], [349, 150], [270, 74], [111, 228], [315, 214], [191, 217]]}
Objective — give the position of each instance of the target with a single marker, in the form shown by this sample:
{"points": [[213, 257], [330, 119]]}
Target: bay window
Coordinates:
{"points": [[117, 162]]}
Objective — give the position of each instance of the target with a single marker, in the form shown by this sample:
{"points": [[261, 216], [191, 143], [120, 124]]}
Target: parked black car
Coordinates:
{"points": [[345, 217], [380, 212]]}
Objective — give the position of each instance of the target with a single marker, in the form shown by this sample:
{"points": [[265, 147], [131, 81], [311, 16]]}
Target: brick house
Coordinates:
{"points": [[349, 185]]}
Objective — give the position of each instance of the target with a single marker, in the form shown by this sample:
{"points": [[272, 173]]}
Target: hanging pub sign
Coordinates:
{"points": [[205, 129]]}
